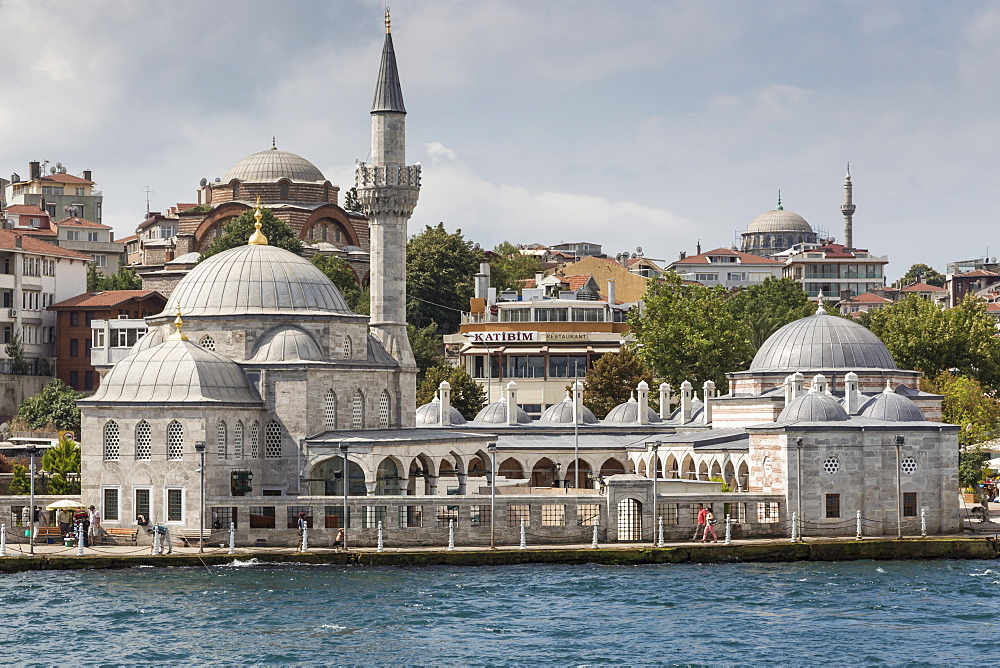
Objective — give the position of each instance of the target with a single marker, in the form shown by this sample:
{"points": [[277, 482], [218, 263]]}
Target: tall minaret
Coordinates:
{"points": [[848, 208], [388, 191]]}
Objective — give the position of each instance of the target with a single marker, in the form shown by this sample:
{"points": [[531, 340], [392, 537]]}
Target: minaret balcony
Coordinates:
{"points": [[371, 176]]}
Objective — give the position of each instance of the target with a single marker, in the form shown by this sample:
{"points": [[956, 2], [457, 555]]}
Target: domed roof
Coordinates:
{"points": [[562, 413], [779, 220], [628, 413], [814, 407], [429, 413], [153, 337], [892, 407], [172, 372], [496, 413], [822, 342], [697, 407], [256, 280], [272, 165], [287, 344]]}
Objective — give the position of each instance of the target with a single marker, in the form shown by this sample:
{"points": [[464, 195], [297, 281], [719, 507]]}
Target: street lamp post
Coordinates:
{"points": [[199, 447], [652, 463], [31, 448], [492, 447], [343, 454], [899, 441], [798, 480]]}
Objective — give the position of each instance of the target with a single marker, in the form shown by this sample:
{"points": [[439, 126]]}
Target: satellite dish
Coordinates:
{"points": [[58, 165], [52, 170], [638, 249], [993, 260], [203, 182], [62, 170], [218, 180]]}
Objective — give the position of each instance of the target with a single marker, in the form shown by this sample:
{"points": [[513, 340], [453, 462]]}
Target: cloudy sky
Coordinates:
{"points": [[651, 124]]}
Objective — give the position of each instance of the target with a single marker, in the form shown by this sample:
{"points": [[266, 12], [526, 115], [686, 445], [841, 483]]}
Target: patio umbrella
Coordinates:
{"points": [[65, 504]]}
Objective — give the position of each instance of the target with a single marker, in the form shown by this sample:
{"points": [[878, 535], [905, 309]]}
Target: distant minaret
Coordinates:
{"points": [[388, 191], [848, 209]]}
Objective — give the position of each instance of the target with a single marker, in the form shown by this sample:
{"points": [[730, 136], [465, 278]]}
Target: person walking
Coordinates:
{"points": [[709, 527], [699, 530], [81, 516]]}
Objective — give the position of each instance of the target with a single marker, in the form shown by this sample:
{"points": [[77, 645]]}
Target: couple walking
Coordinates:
{"points": [[706, 524]]}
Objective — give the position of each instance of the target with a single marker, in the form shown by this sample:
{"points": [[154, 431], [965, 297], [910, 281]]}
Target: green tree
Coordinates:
{"points": [[440, 276], [923, 336], [766, 307], [93, 277], [427, 346], [613, 379], [123, 279], [688, 333], [19, 483], [351, 200], [54, 406], [467, 395], [237, 231], [15, 352], [509, 267], [60, 461], [338, 271], [966, 405], [930, 276]]}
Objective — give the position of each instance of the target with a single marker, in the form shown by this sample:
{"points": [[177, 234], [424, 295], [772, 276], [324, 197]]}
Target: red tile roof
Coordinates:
{"points": [[576, 282], [744, 258], [27, 208], [866, 298], [923, 287], [125, 240], [37, 232], [979, 272], [64, 178], [993, 307], [80, 222], [105, 299], [8, 241]]}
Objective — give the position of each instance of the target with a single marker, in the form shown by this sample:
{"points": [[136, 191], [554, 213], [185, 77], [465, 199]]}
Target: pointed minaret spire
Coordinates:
{"points": [[848, 209], [388, 92], [779, 207]]}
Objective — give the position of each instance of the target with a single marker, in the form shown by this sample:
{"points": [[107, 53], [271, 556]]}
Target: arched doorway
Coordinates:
{"points": [[689, 473], [716, 470], [327, 478], [387, 478], [730, 477], [743, 477], [612, 466], [420, 473], [703, 471], [511, 469], [629, 520], [673, 471], [578, 480], [545, 473]]}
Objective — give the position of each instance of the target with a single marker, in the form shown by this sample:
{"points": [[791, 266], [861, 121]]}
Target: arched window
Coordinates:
{"points": [[222, 437], [254, 440], [358, 411], [112, 441], [330, 409], [347, 347], [238, 440], [283, 189], [338, 235], [326, 192], [323, 233], [207, 342], [175, 441], [236, 189], [272, 440], [143, 441], [383, 410]]}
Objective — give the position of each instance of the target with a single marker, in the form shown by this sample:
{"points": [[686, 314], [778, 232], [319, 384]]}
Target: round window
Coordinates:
{"points": [[831, 465], [908, 465]]}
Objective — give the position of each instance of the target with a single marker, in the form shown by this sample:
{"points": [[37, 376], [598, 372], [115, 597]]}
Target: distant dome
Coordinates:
{"points": [[256, 280], [562, 413], [822, 342], [697, 406], [779, 220], [287, 344], [153, 337], [430, 412], [496, 413], [273, 165], [813, 407], [892, 407], [628, 413], [174, 372]]}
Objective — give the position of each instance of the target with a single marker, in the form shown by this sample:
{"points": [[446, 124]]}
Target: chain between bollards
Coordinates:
{"points": [[923, 522], [593, 543], [451, 535], [660, 543], [380, 549], [729, 529], [857, 535], [232, 538], [524, 537]]}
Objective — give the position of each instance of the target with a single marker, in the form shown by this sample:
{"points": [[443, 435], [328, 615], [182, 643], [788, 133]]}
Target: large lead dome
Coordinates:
{"points": [[256, 280], [273, 165], [822, 342]]}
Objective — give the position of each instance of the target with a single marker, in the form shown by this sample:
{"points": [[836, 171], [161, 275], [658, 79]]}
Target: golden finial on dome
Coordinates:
{"points": [[387, 21], [257, 238], [178, 335]]}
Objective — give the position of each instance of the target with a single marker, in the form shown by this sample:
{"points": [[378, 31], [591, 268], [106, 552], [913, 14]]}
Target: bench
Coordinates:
{"points": [[45, 533], [124, 534], [192, 537]]}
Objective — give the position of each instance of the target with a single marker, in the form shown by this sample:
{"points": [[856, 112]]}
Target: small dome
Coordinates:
{"points": [[779, 220], [430, 412], [496, 413], [273, 165], [153, 337], [628, 413], [892, 407], [562, 413], [256, 280], [822, 342], [174, 372], [813, 407], [697, 406], [287, 344]]}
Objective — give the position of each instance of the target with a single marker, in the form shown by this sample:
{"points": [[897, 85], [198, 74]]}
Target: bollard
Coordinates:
{"points": [[451, 535], [232, 538], [593, 543], [79, 539], [729, 529], [923, 522], [3, 540], [157, 548], [305, 538], [857, 536], [795, 528], [660, 543], [524, 542], [380, 536]]}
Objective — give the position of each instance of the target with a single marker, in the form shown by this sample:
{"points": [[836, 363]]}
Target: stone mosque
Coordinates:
{"points": [[259, 361]]}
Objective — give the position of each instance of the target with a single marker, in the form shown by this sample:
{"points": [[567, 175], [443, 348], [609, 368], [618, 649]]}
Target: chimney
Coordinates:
{"points": [[17, 241], [511, 398], [611, 293], [664, 401], [34, 170], [444, 391], [686, 402], [643, 391], [683, 255], [86, 174], [698, 248], [578, 401], [852, 398], [708, 397], [798, 381], [483, 281]]}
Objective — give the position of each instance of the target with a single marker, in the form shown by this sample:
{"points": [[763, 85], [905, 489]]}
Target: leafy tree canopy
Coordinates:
{"points": [[19, 483], [53, 407], [923, 336], [343, 276], [59, 461], [766, 307], [930, 276], [467, 395], [428, 348], [510, 267], [613, 379], [237, 231], [15, 352], [123, 279], [688, 333], [966, 405], [440, 276]]}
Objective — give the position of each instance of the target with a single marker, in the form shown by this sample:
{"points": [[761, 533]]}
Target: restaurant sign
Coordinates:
{"points": [[502, 337]]}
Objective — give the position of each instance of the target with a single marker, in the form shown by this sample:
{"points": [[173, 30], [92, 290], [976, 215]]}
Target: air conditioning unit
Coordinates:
{"points": [[12, 313]]}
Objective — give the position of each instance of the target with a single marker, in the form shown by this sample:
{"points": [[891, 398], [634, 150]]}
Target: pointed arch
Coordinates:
{"points": [[743, 477], [673, 470], [511, 469], [143, 441], [383, 410], [112, 441], [688, 469], [272, 440], [612, 466], [347, 347], [175, 441], [716, 470], [238, 440], [222, 439], [330, 409], [703, 471], [255, 440], [358, 411], [543, 473]]}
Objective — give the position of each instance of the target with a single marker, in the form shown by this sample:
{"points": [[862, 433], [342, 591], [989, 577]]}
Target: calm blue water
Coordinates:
{"points": [[890, 613]]}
